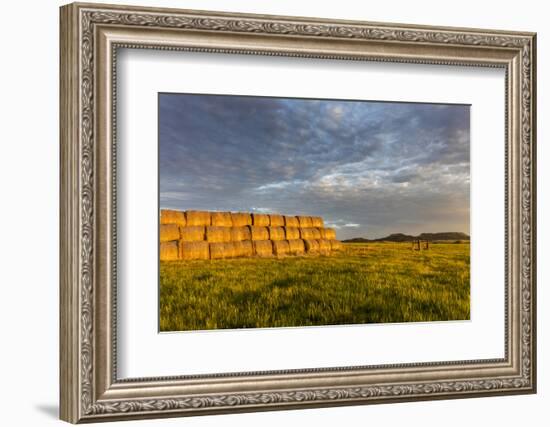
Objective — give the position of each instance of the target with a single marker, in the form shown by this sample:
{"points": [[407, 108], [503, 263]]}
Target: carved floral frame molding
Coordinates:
{"points": [[90, 36]]}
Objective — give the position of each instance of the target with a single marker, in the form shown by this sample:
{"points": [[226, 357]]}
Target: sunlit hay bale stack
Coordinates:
{"points": [[292, 233], [239, 234], [173, 217], [263, 248], [280, 247], [291, 221], [197, 218], [169, 232], [193, 250], [169, 251], [259, 233], [202, 235], [260, 220], [195, 233], [276, 233], [215, 234], [221, 219], [310, 233], [222, 250], [276, 221], [241, 219], [296, 247]]}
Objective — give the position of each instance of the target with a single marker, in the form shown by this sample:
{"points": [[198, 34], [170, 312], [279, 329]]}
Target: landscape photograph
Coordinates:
{"points": [[296, 212]]}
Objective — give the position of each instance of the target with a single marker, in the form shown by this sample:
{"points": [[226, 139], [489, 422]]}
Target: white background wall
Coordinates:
{"points": [[29, 171]]}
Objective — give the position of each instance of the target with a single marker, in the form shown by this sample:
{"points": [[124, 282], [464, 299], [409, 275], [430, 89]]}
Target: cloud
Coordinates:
{"points": [[377, 166]]}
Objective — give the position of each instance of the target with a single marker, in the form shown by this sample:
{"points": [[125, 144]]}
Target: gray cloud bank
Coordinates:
{"points": [[368, 168]]}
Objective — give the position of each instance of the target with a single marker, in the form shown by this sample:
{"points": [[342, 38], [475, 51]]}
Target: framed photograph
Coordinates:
{"points": [[265, 213]]}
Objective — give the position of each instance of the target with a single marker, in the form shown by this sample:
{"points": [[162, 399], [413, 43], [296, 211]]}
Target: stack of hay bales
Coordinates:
{"points": [[196, 235]]}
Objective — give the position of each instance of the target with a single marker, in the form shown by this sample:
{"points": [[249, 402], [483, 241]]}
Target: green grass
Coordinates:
{"points": [[365, 283]]}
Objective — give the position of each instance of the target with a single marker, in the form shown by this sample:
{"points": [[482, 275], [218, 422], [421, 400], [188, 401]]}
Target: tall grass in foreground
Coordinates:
{"points": [[365, 283]]}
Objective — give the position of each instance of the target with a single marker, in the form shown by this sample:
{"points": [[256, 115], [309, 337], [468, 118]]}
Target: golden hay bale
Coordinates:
{"points": [[222, 250], [197, 218], [276, 233], [218, 234], [296, 246], [317, 221], [239, 234], [259, 233], [193, 234], [168, 232], [168, 251], [193, 250], [310, 233], [263, 248], [305, 221], [329, 234], [312, 246], [241, 219], [172, 217], [292, 233], [261, 220], [244, 248], [280, 247], [221, 219], [291, 221], [276, 220], [336, 245], [324, 246]]}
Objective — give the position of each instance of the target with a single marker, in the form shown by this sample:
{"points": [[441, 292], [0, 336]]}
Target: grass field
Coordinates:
{"points": [[365, 283]]}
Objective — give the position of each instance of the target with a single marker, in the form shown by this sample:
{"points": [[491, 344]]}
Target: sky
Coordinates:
{"points": [[368, 168]]}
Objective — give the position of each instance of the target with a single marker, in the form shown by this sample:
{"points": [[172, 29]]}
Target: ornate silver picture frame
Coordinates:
{"points": [[91, 35]]}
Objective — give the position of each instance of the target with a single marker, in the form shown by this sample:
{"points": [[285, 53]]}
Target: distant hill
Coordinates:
{"points": [[400, 237]]}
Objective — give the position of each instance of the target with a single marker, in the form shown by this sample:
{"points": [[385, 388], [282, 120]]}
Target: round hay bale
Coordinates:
{"points": [[263, 248], [195, 233], [169, 232], [168, 216], [259, 233], [197, 218], [296, 247], [310, 233], [168, 251], [329, 233], [260, 220], [276, 220], [221, 219], [218, 234], [240, 219], [244, 248], [222, 250], [292, 233], [291, 221], [324, 246], [238, 234], [305, 221], [312, 246], [336, 245], [317, 221], [276, 233], [280, 247], [193, 250]]}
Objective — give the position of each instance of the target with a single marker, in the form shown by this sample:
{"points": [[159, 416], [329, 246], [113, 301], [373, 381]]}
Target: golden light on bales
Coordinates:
{"points": [[223, 235], [221, 219]]}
